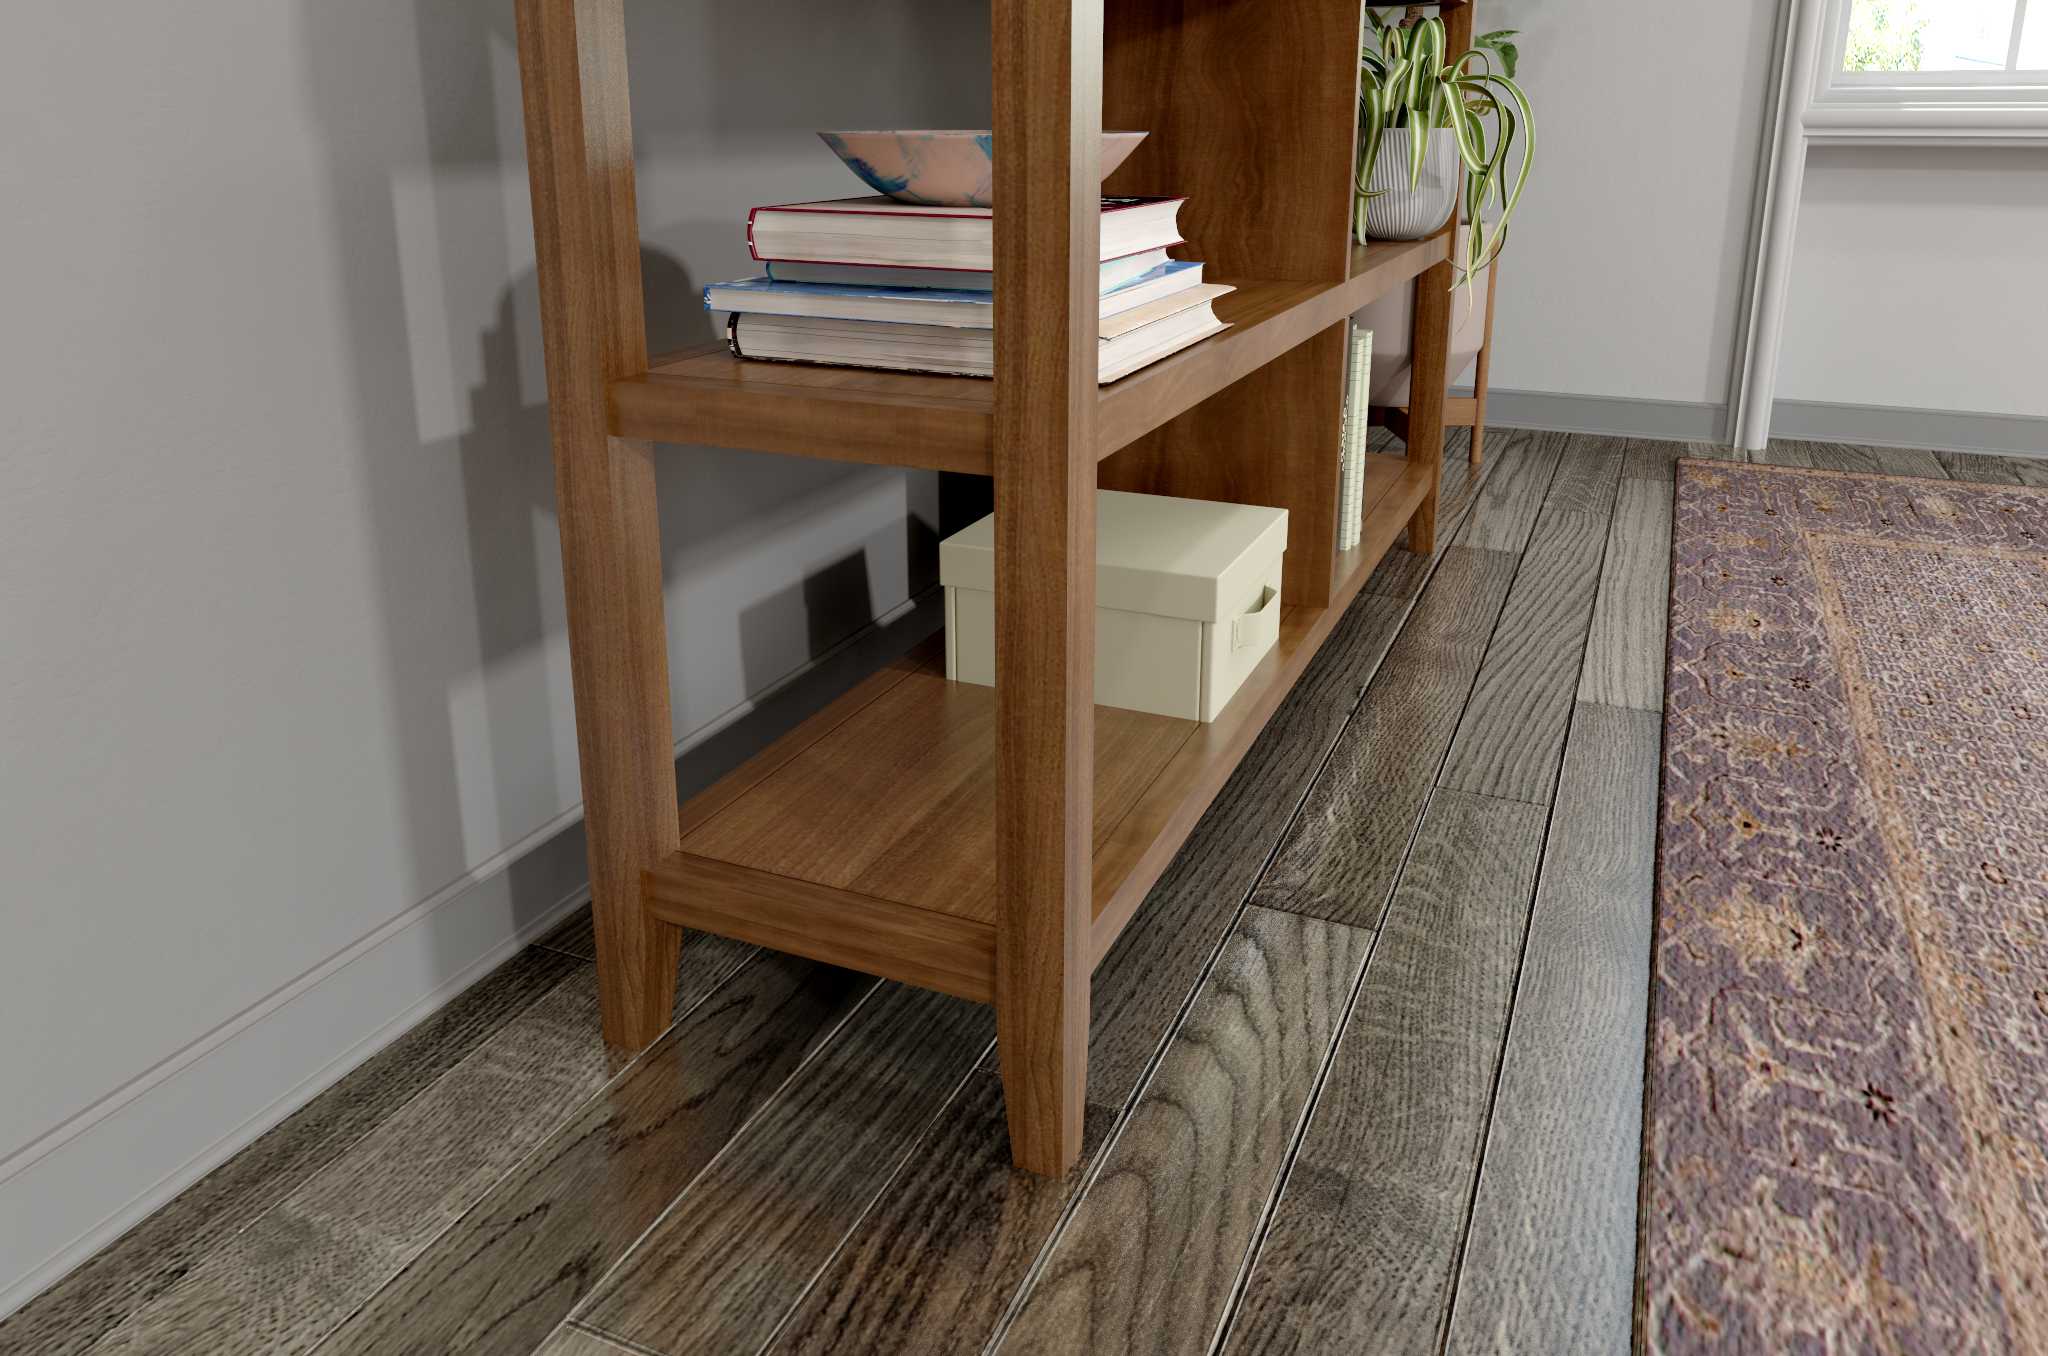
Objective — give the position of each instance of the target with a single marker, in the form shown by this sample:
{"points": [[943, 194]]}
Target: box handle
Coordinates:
{"points": [[1259, 627]]}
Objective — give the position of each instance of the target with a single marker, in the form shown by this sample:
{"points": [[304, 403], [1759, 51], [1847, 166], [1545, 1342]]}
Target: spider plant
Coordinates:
{"points": [[1407, 81]]}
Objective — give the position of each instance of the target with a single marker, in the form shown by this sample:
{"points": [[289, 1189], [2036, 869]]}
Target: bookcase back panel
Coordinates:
{"points": [[1251, 106]]}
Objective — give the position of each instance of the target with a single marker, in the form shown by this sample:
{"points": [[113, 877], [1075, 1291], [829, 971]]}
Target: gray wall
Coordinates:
{"points": [[1917, 280], [1624, 278], [286, 743], [1920, 279]]}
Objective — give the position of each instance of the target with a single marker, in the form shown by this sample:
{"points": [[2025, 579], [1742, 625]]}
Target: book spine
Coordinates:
{"points": [[752, 253], [1344, 451], [1358, 384], [732, 335]]}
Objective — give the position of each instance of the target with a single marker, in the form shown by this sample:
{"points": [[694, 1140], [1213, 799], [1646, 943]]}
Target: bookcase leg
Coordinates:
{"points": [[572, 62], [1048, 100], [1482, 370], [1430, 373]]}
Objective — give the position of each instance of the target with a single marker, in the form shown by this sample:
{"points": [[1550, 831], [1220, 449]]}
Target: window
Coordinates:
{"points": [[1905, 70], [1951, 38]]}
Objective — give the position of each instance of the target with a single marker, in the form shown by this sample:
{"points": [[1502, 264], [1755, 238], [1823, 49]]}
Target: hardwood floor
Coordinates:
{"points": [[1365, 1074]]}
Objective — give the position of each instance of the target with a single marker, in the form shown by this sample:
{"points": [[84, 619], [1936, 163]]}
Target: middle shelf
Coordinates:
{"points": [[705, 395], [866, 837]]}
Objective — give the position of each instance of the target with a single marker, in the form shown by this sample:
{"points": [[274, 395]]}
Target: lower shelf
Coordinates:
{"points": [[866, 836]]}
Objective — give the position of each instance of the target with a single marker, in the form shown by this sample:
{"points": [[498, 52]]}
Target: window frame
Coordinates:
{"points": [[1971, 107]]}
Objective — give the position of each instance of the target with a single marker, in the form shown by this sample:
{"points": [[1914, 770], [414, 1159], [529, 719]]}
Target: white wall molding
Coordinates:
{"points": [[80, 1185], [1777, 225], [1904, 122], [108, 1169], [1974, 108]]}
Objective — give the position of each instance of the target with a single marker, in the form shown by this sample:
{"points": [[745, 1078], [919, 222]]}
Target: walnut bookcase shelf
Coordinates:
{"points": [[990, 843], [706, 395]]}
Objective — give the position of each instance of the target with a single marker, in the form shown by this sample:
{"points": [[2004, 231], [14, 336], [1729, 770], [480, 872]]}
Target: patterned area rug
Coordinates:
{"points": [[1847, 1130]]}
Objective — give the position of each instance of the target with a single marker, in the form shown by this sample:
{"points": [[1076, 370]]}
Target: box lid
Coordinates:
{"points": [[1171, 557]]}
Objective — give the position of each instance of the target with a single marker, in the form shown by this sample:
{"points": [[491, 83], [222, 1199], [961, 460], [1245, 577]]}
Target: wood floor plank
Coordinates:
{"points": [[1363, 1242], [1549, 1261], [1511, 734], [151, 1258], [1587, 472], [1142, 984], [1340, 859], [1624, 663], [520, 1261], [1402, 574], [720, 1270], [1655, 458], [934, 1266], [1890, 461], [1149, 1259], [568, 1341], [285, 1282], [1511, 497], [575, 935], [1987, 469]]}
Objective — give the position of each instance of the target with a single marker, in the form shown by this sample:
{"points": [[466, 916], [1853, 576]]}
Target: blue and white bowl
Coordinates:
{"points": [[942, 169]]}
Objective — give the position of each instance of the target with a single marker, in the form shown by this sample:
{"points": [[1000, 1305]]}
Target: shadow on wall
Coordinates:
{"points": [[449, 392]]}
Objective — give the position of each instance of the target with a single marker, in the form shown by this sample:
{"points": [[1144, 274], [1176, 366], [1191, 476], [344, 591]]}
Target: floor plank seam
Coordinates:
{"points": [[1585, 645], [738, 1134], [198, 1264], [539, 1144], [609, 1338], [903, 1165], [1316, 1094], [1024, 1289], [1094, 1170], [1258, 1239], [1393, 890], [1500, 1056], [1528, 927]]}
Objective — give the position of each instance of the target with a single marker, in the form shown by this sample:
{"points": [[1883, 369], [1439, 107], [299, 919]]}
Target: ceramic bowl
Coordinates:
{"points": [[941, 169]]}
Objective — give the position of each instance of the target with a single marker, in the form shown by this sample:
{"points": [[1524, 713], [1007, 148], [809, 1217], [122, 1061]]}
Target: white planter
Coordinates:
{"points": [[1396, 211], [1187, 596]]}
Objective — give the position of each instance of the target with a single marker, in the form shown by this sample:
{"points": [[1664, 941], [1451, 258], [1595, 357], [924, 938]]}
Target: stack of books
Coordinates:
{"points": [[1357, 431], [872, 282]]}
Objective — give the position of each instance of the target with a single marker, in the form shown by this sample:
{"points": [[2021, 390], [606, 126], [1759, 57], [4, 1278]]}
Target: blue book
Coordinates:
{"points": [[957, 308]]}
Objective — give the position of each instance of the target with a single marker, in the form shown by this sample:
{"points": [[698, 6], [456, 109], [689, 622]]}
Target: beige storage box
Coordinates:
{"points": [[1187, 600]]}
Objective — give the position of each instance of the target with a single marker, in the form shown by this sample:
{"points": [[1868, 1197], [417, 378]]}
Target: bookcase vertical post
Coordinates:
{"points": [[1430, 368], [579, 143], [1048, 119]]}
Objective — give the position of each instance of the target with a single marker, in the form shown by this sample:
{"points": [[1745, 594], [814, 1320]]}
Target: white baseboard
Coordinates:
{"points": [[82, 1185], [152, 1142]]}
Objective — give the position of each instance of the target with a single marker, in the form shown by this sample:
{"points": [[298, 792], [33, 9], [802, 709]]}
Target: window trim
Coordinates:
{"points": [[1981, 108]]}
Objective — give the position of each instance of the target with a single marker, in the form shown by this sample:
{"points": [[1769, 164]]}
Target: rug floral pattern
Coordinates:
{"points": [[1847, 1135]]}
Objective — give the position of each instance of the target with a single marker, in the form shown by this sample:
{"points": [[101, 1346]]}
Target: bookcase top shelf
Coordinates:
{"points": [[707, 396]]}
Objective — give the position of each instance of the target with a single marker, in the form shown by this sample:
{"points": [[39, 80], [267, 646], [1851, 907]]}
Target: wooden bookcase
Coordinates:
{"points": [[986, 843]]}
